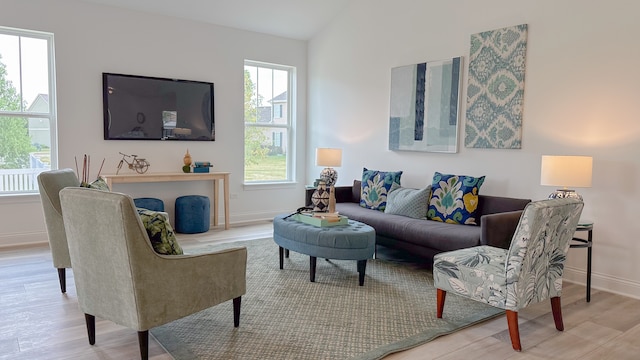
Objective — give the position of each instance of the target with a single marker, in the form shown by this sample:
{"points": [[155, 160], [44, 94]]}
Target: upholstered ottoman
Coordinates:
{"points": [[353, 241], [192, 214], [152, 204]]}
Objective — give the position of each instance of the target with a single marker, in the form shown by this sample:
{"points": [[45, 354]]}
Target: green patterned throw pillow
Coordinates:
{"points": [[454, 198], [160, 232], [375, 187], [408, 202]]}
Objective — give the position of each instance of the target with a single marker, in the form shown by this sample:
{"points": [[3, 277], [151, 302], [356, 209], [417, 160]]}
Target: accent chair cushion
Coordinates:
{"points": [[454, 198], [408, 202], [160, 232], [375, 187]]}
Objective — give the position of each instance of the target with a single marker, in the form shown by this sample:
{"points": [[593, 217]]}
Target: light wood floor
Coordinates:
{"points": [[37, 322]]}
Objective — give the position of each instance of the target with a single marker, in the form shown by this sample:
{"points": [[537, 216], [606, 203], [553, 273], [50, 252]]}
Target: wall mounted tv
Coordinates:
{"points": [[151, 108]]}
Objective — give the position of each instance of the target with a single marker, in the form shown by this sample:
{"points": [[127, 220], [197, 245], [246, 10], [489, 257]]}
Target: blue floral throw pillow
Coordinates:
{"points": [[454, 198], [375, 187]]}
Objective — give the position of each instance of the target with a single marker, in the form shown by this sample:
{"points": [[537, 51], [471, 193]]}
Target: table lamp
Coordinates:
{"points": [[329, 157], [566, 171]]}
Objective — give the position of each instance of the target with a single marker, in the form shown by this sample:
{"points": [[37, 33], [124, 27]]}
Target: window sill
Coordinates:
{"points": [[270, 185]]}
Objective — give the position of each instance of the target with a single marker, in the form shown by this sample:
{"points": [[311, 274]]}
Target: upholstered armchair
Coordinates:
{"points": [[121, 278], [528, 272], [49, 184]]}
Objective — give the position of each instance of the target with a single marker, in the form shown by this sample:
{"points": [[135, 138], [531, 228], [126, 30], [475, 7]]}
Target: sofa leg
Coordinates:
{"points": [[440, 297], [236, 311], [514, 331]]}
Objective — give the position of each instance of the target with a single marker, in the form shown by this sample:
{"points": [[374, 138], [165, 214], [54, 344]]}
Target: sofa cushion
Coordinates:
{"points": [[421, 232], [375, 187], [408, 202], [454, 198]]}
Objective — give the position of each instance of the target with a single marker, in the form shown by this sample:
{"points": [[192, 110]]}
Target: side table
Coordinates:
{"points": [[577, 242]]}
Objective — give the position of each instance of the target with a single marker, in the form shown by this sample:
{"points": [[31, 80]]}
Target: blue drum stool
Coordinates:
{"points": [[192, 214], [152, 204]]}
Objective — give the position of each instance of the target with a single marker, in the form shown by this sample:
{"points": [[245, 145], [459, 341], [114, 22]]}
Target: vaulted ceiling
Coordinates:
{"points": [[296, 19]]}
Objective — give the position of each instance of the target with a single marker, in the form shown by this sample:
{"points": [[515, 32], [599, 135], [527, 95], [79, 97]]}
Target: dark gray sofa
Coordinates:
{"points": [[498, 215]]}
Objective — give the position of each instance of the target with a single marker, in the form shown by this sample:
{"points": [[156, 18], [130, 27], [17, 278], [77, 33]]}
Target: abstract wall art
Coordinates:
{"points": [[495, 88], [424, 105]]}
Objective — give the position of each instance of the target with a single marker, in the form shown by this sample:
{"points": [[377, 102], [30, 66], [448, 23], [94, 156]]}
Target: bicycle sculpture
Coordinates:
{"points": [[139, 165]]}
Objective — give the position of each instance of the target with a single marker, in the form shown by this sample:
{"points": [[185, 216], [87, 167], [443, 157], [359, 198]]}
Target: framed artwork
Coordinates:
{"points": [[424, 106], [495, 88]]}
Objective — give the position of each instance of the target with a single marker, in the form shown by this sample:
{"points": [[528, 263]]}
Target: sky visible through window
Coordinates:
{"points": [[34, 65]]}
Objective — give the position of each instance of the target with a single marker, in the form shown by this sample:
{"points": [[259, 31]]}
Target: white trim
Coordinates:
{"points": [[603, 282]]}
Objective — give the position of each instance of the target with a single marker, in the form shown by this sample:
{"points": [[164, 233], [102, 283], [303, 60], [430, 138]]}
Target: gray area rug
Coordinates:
{"points": [[284, 316]]}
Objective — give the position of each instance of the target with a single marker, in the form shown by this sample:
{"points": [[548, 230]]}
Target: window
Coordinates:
{"points": [[268, 124], [27, 109]]}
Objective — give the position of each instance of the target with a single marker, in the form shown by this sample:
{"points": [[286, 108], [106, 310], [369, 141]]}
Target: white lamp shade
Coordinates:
{"points": [[566, 171], [328, 157]]}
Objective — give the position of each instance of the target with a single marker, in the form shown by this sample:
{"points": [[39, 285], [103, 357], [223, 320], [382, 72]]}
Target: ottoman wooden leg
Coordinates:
{"points": [[312, 268], [280, 252], [286, 253], [362, 266]]}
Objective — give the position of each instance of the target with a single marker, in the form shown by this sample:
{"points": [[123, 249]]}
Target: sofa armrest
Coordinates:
{"points": [[498, 229]]}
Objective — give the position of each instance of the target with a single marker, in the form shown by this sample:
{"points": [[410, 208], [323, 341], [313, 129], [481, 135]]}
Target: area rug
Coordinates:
{"points": [[285, 316]]}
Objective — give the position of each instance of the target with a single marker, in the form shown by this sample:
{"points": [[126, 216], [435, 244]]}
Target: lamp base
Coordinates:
{"points": [[565, 193], [329, 176]]}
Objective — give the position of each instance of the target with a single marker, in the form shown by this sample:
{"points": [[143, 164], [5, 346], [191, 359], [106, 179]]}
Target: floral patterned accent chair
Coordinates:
{"points": [[528, 272]]}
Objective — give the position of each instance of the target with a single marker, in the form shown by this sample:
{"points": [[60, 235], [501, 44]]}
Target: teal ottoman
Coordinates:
{"points": [[353, 241], [192, 214], [152, 204]]}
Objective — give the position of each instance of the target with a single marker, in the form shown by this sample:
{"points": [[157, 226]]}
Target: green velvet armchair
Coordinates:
{"points": [[49, 184], [119, 277], [528, 272]]}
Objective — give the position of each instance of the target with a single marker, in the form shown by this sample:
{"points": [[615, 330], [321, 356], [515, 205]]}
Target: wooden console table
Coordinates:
{"points": [[170, 177]]}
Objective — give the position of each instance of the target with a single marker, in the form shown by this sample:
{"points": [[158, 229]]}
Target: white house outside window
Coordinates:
{"points": [[268, 122], [27, 109]]}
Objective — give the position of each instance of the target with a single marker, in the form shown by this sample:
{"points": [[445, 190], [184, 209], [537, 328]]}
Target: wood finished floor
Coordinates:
{"points": [[37, 322]]}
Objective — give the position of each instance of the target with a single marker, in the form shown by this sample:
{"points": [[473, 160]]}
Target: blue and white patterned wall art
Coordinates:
{"points": [[424, 106], [495, 88]]}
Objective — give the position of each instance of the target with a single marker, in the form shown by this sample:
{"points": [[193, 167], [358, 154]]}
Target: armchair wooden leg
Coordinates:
{"points": [[557, 312], [62, 277], [236, 311], [514, 331], [143, 340], [441, 295], [91, 328]]}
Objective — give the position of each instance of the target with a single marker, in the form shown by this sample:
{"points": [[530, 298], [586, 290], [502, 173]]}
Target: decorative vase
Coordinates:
{"points": [[187, 158], [320, 197]]}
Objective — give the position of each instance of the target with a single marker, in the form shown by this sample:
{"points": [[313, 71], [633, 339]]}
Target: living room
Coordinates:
{"points": [[579, 97]]}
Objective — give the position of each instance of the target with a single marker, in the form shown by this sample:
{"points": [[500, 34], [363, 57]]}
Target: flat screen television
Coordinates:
{"points": [[151, 108]]}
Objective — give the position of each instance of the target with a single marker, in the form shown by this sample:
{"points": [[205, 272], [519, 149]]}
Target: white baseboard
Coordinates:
{"points": [[23, 240], [603, 282]]}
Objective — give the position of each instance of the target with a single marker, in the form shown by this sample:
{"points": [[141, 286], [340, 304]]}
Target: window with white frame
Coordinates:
{"points": [[27, 109], [268, 122]]}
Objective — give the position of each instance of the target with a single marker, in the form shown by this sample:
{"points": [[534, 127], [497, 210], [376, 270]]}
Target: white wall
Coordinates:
{"points": [[581, 98], [91, 39]]}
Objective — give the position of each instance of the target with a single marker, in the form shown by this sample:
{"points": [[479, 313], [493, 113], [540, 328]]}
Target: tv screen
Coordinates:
{"points": [[151, 108]]}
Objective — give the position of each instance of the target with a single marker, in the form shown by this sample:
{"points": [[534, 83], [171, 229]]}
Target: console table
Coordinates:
{"points": [[585, 243], [172, 177]]}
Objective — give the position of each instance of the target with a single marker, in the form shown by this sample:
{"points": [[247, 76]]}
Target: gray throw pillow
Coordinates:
{"points": [[408, 202]]}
